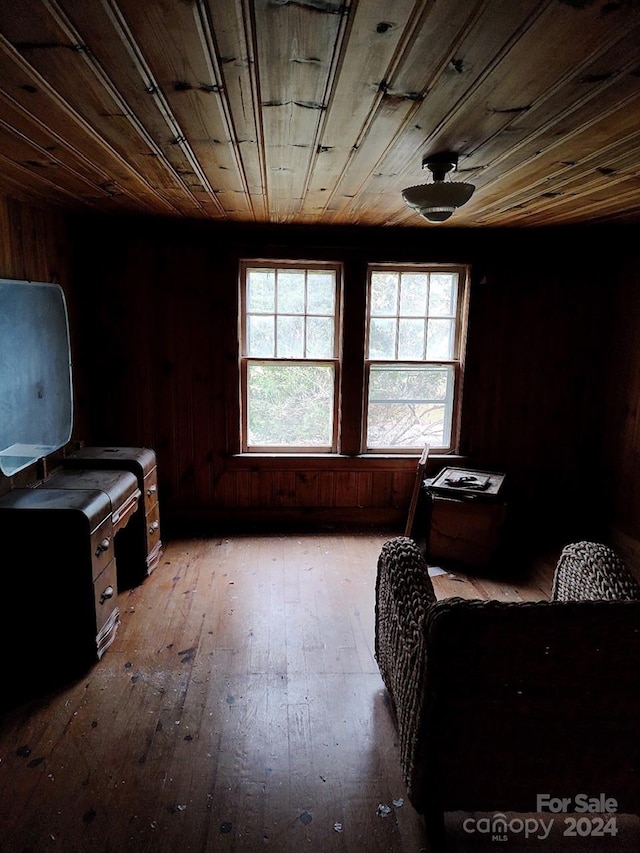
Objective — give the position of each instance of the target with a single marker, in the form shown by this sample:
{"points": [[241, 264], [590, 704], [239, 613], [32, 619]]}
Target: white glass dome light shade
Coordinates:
{"points": [[439, 200]]}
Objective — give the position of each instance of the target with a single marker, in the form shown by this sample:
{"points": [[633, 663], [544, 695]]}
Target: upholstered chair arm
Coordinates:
{"points": [[589, 571]]}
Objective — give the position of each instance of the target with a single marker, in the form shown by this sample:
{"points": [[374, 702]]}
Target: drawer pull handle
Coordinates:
{"points": [[103, 546], [154, 526], [151, 490], [107, 594]]}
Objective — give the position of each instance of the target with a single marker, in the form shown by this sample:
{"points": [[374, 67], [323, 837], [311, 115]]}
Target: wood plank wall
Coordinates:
{"points": [[34, 246], [621, 438], [159, 308], [535, 399], [553, 370]]}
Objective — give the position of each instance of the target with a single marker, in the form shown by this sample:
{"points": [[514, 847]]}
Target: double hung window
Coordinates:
{"points": [[412, 362], [402, 385], [290, 357]]}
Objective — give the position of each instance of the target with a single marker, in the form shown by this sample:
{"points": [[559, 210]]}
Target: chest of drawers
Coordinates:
{"points": [[143, 534], [76, 538], [61, 580]]}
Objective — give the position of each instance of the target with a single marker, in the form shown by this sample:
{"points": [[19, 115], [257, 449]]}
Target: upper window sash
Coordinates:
{"points": [[290, 311], [413, 313]]}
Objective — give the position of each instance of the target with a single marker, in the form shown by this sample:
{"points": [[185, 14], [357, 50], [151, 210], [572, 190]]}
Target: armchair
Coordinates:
{"points": [[496, 702]]}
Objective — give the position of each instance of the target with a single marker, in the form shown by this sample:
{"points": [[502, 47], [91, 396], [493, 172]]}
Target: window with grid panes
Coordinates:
{"points": [[413, 357], [290, 356]]}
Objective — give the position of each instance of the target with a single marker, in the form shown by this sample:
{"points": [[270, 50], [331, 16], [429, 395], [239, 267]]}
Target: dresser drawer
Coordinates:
{"points": [[105, 591], [152, 525], [150, 490], [120, 516], [102, 550]]}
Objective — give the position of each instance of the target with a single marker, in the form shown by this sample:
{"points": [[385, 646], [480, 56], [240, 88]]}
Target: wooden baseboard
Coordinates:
{"points": [[243, 519]]}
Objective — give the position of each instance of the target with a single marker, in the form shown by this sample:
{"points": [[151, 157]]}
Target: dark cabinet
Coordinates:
{"points": [[60, 583], [70, 543], [143, 534]]}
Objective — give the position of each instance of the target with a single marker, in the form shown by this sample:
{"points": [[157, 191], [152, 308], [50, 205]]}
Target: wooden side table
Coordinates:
{"points": [[464, 531], [464, 526]]}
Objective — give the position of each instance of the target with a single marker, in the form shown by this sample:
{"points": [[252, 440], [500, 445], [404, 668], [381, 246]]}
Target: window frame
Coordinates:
{"points": [[245, 360], [456, 362]]}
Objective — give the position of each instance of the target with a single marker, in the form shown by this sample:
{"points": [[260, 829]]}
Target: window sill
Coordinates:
{"points": [[337, 461]]}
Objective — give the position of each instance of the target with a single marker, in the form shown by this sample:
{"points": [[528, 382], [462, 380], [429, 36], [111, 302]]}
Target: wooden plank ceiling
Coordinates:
{"points": [[320, 111]]}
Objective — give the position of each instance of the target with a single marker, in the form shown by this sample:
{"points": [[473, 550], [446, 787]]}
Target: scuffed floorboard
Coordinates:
{"points": [[239, 709]]}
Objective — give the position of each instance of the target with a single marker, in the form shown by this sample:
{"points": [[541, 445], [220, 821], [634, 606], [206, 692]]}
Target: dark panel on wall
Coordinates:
{"points": [[34, 243], [534, 401], [621, 439]]}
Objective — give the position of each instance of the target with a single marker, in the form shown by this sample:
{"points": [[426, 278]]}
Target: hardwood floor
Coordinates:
{"points": [[240, 708]]}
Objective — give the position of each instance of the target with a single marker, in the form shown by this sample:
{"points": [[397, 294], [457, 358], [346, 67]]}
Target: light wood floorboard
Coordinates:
{"points": [[239, 709]]}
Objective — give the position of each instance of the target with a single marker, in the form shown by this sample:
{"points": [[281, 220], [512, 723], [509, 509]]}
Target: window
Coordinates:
{"points": [[395, 387], [412, 361], [289, 356]]}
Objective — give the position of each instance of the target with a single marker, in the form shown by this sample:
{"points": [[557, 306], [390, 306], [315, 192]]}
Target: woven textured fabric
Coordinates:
{"points": [[496, 702], [404, 594], [589, 571]]}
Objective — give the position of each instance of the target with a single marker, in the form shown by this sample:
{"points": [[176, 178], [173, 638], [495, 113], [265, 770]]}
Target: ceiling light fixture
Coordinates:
{"points": [[438, 200]]}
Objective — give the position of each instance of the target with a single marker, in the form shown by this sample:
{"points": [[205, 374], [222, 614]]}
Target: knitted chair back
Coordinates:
{"points": [[590, 571]]}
